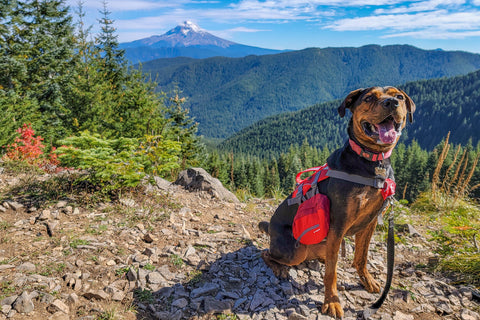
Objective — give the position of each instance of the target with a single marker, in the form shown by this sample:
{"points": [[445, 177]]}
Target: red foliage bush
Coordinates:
{"points": [[29, 148]]}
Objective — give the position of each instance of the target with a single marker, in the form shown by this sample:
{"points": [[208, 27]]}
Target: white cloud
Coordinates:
{"points": [[228, 33], [420, 6], [126, 5], [435, 34], [441, 20]]}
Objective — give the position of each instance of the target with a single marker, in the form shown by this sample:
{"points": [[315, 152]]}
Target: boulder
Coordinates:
{"points": [[197, 179]]}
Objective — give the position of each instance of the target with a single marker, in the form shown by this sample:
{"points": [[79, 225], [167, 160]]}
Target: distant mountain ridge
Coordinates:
{"points": [[187, 40], [228, 94], [443, 105]]}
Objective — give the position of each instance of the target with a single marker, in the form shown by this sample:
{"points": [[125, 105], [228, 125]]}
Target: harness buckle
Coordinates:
{"points": [[379, 182]]}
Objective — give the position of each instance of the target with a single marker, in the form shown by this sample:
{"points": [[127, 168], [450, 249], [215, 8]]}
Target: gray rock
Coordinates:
{"points": [[155, 278], [161, 183], [162, 315], [47, 298], [8, 301], [45, 215], [96, 295], [73, 299], [61, 204], [296, 316], [59, 315], [402, 316], [165, 272], [443, 308], [466, 314], [6, 266], [68, 210], [180, 303], [11, 313], [208, 288], [15, 205], [149, 238], [5, 309], [177, 315], [58, 305], [115, 294], [131, 275], [287, 288], [211, 305], [24, 303], [197, 179], [259, 300]]}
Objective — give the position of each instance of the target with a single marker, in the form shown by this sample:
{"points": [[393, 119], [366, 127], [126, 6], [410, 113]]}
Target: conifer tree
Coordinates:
{"points": [[114, 62], [48, 47]]}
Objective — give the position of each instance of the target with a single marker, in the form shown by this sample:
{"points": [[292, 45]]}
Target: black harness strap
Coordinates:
{"points": [[376, 182]]}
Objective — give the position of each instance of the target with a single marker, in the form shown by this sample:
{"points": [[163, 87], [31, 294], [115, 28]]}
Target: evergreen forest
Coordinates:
{"points": [[61, 86], [443, 105], [226, 95]]}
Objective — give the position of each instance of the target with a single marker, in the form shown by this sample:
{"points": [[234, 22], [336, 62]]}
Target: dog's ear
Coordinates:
{"points": [[349, 101], [410, 106]]}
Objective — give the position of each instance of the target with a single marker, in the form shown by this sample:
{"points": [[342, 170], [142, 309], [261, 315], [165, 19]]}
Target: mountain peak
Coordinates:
{"points": [[189, 25], [184, 35], [186, 28], [187, 39]]}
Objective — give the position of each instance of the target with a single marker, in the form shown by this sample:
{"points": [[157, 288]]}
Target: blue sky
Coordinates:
{"points": [[298, 24]]}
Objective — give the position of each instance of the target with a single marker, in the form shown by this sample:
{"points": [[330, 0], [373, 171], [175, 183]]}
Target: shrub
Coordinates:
{"points": [[111, 163], [28, 149], [163, 155]]}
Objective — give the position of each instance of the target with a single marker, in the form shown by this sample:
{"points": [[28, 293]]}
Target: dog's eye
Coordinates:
{"points": [[368, 99], [400, 97]]}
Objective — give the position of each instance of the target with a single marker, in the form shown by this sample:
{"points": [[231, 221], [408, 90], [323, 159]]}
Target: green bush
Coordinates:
{"points": [[163, 155], [118, 163], [111, 163]]}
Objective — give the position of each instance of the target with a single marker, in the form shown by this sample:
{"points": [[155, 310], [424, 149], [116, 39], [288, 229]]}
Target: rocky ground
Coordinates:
{"points": [[168, 253]]}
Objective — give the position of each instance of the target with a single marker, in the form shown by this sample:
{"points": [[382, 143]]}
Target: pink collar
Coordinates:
{"points": [[369, 155]]}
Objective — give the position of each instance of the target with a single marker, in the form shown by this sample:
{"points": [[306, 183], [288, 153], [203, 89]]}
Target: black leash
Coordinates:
{"points": [[367, 313]]}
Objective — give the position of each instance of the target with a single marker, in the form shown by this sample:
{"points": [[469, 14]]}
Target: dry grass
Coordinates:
{"points": [[453, 187]]}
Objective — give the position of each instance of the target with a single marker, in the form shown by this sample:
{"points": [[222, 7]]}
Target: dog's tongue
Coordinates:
{"points": [[387, 132]]}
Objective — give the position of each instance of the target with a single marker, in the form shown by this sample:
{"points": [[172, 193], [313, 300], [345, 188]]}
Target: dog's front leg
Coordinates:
{"points": [[331, 303], [362, 242]]}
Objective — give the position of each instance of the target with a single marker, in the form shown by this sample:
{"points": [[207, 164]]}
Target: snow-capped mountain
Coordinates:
{"points": [[187, 40]]}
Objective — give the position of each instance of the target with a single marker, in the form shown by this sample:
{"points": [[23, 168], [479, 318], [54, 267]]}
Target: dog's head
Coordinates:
{"points": [[379, 115]]}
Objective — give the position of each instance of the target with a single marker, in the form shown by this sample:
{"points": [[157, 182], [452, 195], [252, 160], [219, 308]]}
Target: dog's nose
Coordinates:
{"points": [[390, 103]]}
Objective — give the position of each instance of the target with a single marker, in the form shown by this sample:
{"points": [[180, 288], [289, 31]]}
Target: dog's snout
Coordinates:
{"points": [[390, 103]]}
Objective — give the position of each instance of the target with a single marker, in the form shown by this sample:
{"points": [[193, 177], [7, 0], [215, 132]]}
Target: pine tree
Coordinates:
{"points": [[181, 127], [114, 62], [39, 54], [87, 88]]}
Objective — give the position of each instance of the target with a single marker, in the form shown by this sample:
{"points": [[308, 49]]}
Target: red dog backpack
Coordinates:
{"points": [[312, 220]]}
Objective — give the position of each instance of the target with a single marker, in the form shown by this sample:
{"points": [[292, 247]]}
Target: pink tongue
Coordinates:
{"points": [[387, 132]]}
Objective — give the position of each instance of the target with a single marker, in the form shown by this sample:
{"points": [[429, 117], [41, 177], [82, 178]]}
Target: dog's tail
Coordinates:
{"points": [[263, 226]]}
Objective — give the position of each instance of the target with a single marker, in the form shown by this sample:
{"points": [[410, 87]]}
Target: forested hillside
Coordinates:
{"points": [[59, 85], [443, 105], [228, 94]]}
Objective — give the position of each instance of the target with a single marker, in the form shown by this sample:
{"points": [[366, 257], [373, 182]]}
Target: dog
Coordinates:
{"points": [[378, 116]]}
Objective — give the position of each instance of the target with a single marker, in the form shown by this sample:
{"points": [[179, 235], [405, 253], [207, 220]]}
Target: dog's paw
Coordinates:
{"points": [[333, 309], [370, 284], [279, 270]]}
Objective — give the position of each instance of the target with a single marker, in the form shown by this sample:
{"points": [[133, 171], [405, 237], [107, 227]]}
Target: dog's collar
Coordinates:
{"points": [[369, 155]]}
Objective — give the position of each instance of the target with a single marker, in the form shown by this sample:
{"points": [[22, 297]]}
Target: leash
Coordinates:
{"points": [[368, 312]]}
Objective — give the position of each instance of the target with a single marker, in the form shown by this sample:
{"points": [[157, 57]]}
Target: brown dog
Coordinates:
{"points": [[378, 116]]}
